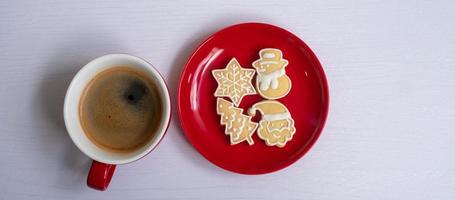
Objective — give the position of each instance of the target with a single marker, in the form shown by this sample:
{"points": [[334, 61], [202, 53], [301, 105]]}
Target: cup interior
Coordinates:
{"points": [[73, 97]]}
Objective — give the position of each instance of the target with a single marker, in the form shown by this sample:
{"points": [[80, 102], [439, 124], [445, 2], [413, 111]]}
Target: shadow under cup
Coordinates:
{"points": [[71, 111]]}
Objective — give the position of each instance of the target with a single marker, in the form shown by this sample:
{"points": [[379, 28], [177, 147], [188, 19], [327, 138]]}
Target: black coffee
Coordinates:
{"points": [[120, 109]]}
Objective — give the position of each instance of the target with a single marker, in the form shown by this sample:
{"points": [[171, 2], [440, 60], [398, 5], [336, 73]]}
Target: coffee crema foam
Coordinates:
{"points": [[120, 109]]}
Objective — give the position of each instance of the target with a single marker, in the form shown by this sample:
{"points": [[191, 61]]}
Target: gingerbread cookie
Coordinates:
{"points": [[276, 127], [234, 81], [237, 125], [272, 81]]}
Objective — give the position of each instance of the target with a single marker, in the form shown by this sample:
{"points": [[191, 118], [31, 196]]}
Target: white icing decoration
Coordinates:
{"points": [[267, 80], [240, 129], [280, 128], [269, 62], [274, 117], [269, 55], [232, 116]]}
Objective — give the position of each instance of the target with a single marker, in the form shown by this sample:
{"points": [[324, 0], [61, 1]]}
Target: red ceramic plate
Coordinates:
{"points": [[307, 101]]}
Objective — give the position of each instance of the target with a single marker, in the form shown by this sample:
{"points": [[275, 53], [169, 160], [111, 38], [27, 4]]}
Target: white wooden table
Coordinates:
{"points": [[390, 133]]}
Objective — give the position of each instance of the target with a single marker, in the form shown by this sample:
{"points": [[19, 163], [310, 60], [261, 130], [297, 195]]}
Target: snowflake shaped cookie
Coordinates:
{"points": [[234, 81]]}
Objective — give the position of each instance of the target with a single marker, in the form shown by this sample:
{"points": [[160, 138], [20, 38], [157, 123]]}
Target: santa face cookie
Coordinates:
{"points": [[234, 82], [237, 125], [276, 127], [271, 81]]}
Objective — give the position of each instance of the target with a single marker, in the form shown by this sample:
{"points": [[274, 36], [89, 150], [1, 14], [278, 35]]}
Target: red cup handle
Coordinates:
{"points": [[100, 175]]}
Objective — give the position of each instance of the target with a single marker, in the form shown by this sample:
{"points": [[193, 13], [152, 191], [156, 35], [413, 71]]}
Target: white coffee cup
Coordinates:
{"points": [[104, 161]]}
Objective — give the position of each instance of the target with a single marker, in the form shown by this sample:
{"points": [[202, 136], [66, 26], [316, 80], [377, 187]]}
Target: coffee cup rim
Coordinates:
{"points": [[73, 96]]}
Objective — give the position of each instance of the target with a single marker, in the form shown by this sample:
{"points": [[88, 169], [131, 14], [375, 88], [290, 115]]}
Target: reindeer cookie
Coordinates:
{"points": [[238, 126], [271, 81], [276, 127]]}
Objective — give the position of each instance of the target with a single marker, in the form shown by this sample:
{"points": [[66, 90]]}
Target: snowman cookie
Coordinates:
{"points": [[271, 80], [237, 125], [276, 127], [234, 81]]}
